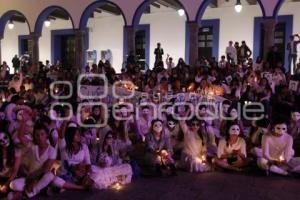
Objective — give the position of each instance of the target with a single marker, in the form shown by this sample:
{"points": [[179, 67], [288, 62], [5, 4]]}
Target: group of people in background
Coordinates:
{"points": [[41, 154]]}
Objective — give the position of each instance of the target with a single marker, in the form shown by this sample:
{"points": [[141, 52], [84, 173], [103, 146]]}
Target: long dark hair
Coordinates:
{"points": [[69, 137], [199, 133], [109, 150], [10, 154]]}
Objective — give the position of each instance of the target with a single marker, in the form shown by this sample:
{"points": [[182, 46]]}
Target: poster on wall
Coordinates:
{"points": [[91, 56]]}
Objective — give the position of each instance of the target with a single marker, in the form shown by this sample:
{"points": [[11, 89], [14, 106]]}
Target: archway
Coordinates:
{"points": [[287, 15], [230, 25], [104, 22], [57, 40], [14, 31], [160, 21]]}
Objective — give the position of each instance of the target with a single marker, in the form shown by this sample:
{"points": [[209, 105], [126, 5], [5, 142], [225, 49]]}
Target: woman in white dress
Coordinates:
{"points": [[111, 169], [194, 151]]}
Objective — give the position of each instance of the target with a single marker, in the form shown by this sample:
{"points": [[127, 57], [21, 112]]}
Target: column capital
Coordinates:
{"points": [[269, 23], [79, 32], [34, 35]]}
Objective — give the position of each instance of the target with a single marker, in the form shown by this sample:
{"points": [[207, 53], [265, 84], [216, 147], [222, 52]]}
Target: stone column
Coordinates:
{"points": [[193, 39], [130, 34], [269, 25], [79, 50], [34, 51]]}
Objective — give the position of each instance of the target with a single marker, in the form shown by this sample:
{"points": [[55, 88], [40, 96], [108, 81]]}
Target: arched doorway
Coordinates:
{"points": [[104, 22], [57, 39], [14, 31], [287, 15], [160, 21], [220, 23]]}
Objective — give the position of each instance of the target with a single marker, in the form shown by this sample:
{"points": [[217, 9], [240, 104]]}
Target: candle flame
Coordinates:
{"points": [[117, 186], [281, 158]]}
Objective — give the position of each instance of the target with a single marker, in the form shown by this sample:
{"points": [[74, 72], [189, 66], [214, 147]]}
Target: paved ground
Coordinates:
{"points": [[186, 186]]}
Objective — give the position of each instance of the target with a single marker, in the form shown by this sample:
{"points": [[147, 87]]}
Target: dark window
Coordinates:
{"points": [[279, 39], [205, 42], [68, 51], [140, 47]]}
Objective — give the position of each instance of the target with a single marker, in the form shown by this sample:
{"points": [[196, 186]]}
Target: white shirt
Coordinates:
{"points": [[231, 50], [83, 155], [192, 142], [36, 161], [224, 149], [274, 147]]}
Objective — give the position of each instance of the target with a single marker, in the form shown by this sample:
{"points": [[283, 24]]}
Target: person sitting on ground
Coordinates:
{"points": [[232, 153]]}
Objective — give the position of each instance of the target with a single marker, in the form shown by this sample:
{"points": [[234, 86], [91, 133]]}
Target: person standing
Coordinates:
{"points": [[244, 53], [231, 53], [159, 52], [292, 50], [16, 64]]}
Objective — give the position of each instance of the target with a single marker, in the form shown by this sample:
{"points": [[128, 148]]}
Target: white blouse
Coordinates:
{"points": [[223, 148]]}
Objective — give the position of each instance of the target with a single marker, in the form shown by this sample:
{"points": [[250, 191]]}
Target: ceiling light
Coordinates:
{"points": [[238, 6], [47, 23], [181, 12], [11, 25]]}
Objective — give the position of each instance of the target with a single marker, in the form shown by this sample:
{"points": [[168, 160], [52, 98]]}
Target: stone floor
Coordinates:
{"points": [[186, 186]]}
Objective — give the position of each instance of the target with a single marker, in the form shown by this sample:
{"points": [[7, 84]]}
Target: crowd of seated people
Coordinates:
{"points": [[44, 148]]}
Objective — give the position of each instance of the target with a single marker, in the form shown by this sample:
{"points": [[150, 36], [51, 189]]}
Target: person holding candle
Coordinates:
{"points": [[110, 162], [277, 149], [194, 152], [159, 149], [232, 153]]}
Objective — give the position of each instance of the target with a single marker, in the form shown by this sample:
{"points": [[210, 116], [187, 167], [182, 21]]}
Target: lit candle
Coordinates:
{"points": [[281, 158], [3, 188], [3, 99], [56, 90], [203, 158], [117, 186], [210, 93], [98, 139]]}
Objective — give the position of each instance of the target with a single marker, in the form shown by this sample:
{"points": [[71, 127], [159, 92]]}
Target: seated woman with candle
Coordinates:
{"points": [[75, 169], [278, 150], [232, 153], [159, 150], [10, 159], [111, 167], [194, 151], [37, 167]]}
